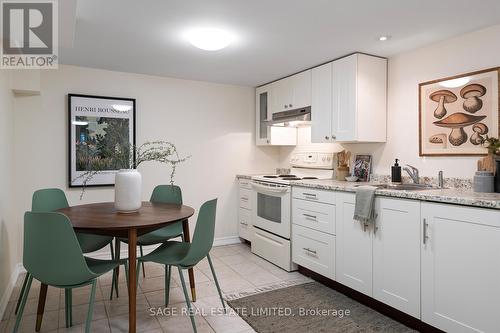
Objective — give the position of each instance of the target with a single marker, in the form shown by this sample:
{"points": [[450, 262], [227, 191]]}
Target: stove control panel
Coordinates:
{"points": [[314, 160]]}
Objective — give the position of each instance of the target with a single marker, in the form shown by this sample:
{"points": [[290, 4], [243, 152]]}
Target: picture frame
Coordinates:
{"points": [[456, 113], [97, 127], [362, 167]]}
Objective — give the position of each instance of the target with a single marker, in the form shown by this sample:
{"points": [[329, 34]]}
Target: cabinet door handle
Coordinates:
{"points": [[290, 105], [286, 106], [268, 141], [424, 231], [309, 250], [244, 198], [334, 137], [310, 216], [327, 137], [243, 223], [309, 194]]}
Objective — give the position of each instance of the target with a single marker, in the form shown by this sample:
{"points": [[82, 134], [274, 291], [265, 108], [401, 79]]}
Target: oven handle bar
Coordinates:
{"points": [[270, 189]]}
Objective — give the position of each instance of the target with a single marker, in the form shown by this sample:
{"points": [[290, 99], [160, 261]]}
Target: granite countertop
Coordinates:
{"points": [[448, 195]]}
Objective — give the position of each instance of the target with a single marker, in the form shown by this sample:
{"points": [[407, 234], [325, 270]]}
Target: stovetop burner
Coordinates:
{"points": [[287, 176], [291, 178], [270, 176], [309, 177]]}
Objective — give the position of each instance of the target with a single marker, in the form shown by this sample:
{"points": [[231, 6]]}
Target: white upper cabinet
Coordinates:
{"points": [[292, 92], [268, 135], [460, 268], [354, 108], [321, 104], [396, 254]]}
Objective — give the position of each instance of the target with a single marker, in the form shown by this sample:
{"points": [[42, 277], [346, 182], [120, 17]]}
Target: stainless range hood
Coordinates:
{"points": [[291, 118]]}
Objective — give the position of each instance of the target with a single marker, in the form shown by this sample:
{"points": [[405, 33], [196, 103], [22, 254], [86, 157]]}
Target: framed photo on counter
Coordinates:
{"points": [[101, 132], [362, 167]]}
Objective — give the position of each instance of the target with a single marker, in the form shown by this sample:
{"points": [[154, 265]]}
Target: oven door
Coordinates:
{"points": [[272, 208]]}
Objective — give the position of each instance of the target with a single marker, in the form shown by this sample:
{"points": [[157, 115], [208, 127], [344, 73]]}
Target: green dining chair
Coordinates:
{"points": [[162, 194], [186, 255], [53, 256], [52, 199]]}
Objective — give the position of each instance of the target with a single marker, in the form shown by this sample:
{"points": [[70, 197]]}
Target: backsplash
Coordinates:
{"points": [[451, 182]]}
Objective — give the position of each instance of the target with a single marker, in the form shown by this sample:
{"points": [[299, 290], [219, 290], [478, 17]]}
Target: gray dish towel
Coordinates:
{"points": [[365, 202]]}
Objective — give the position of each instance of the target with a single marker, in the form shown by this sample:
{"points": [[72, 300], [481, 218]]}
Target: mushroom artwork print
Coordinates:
{"points": [[471, 93], [457, 122], [478, 129], [442, 97], [459, 113]]}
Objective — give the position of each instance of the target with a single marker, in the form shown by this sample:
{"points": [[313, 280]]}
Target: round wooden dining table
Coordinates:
{"points": [[103, 219]]}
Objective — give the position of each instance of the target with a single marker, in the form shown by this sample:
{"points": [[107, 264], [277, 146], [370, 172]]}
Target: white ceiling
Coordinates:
{"points": [[275, 37]]}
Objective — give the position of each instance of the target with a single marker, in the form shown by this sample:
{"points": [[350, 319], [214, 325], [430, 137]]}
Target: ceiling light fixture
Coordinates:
{"points": [[455, 82], [384, 38], [209, 39]]}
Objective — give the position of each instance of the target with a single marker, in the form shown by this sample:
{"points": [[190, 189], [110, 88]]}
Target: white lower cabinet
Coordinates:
{"points": [[437, 262], [314, 250], [354, 243], [460, 268], [245, 207], [396, 254]]}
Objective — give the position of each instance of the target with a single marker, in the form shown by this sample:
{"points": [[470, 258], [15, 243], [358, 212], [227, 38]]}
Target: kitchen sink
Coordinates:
{"points": [[406, 187]]}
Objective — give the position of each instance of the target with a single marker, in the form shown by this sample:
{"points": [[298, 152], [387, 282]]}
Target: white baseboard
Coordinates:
{"points": [[227, 241], [10, 287]]}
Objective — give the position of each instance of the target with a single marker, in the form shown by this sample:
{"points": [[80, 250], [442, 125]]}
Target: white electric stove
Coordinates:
{"points": [[272, 213]]}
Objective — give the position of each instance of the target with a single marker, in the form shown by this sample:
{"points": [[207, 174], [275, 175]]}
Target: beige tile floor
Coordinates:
{"points": [[240, 273]]}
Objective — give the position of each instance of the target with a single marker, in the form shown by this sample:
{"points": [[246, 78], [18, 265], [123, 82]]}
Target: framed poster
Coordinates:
{"points": [[101, 133], [362, 167], [456, 113]]}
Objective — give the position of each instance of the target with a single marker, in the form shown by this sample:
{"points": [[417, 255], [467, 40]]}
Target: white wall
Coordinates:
{"points": [[9, 230], [466, 53], [212, 122]]}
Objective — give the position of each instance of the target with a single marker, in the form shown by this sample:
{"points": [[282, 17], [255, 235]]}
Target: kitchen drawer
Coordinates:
{"points": [[272, 248], [245, 224], [245, 198], [314, 215], [313, 195], [245, 183], [314, 250]]}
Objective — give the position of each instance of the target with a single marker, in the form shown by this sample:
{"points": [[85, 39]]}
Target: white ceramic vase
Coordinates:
{"points": [[128, 184]]}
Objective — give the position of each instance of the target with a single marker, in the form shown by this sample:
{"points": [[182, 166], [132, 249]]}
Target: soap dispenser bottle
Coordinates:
{"points": [[396, 172]]}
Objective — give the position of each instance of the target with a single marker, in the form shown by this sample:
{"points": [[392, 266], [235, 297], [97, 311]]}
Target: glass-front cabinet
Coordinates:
{"points": [[266, 135]]}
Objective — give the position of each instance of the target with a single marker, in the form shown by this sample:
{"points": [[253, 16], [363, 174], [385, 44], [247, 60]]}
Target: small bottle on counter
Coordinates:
{"points": [[396, 172], [484, 182]]}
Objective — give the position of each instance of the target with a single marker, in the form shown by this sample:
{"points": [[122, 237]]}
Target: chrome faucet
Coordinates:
{"points": [[413, 173]]}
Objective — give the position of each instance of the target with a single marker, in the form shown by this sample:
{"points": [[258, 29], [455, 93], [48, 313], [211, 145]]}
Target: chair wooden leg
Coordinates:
{"points": [[24, 297], [91, 308], [143, 268], [216, 282], [188, 302], [21, 293], [41, 306]]}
